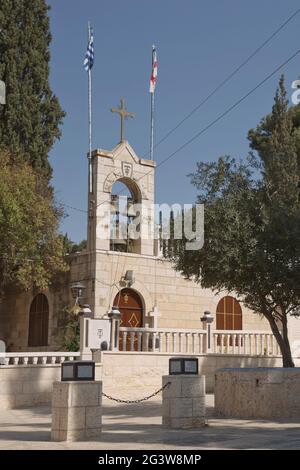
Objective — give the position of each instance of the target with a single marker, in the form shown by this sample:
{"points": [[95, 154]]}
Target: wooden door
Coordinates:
{"points": [[131, 308]]}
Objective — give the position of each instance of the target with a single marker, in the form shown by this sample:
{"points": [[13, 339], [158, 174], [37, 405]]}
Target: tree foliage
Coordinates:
{"points": [[252, 224], [29, 122], [31, 250]]}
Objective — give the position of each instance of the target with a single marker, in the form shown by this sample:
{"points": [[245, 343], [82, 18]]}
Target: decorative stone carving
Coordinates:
{"points": [[127, 169]]}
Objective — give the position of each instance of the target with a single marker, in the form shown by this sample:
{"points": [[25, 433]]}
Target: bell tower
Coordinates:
{"points": [[121, 165], [121, 227]]}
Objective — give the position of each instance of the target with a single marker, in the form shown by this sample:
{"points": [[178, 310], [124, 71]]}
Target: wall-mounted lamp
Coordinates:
{"points": [[77, 290], [128, 279]]}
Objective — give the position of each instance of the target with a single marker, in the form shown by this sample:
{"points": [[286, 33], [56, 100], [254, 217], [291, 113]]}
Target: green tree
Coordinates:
{"points": [[29, 123], [252, 225], [31, 250]]}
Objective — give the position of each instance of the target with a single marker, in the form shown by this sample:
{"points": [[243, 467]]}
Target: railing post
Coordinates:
{"points": [[139, 346], [153, 341], [124, 340], [174, 335], [167, 342]]}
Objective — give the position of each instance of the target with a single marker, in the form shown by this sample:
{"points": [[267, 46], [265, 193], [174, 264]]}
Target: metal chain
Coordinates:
{"points": [[118, 400]]}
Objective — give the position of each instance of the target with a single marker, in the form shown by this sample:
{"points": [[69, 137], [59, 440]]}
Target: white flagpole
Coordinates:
{"points": [[152, 127], [152, 115], [90, 119]]}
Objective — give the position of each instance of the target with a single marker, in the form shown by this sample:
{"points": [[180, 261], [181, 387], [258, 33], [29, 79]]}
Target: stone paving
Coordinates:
{"points": [[138, 427]]}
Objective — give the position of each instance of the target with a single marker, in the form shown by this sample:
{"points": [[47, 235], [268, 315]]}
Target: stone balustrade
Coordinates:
{"points": [[194, 341], [35, 358], [253, 343], [163, 340]]}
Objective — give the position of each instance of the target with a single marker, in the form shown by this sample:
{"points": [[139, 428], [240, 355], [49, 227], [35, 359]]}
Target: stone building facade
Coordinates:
{"points": [[156, 297]]}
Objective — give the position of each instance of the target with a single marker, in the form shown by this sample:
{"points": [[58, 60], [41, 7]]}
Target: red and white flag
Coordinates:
{"points": [[154, 70]]}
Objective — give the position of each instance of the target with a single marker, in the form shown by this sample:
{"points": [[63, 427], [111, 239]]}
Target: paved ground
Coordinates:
{"points": [[138, 427]]}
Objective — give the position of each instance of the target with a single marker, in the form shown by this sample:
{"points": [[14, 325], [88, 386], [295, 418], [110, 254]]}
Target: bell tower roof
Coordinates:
{"points": [[123, 152]]}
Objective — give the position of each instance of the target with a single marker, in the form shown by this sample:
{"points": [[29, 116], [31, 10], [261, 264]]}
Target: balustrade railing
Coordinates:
{"points": [[34, 358], [253, 343], [162, 340], [171, 341]]}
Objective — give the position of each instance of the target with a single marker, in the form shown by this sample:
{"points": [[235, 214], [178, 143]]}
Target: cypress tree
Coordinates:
{"points": [[29, 123]]}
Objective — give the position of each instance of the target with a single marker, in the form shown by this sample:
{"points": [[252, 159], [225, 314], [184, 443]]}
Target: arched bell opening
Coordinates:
{"points": [[125, 195]]}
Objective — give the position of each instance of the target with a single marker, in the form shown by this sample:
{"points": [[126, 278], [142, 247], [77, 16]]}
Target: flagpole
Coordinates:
{"points": [[152, 127], [152, 115], [90, 118]]}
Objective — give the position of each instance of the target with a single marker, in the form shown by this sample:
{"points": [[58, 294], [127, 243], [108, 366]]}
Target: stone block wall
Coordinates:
{"points": [[264, 393], [29, 385], [136, 374]]}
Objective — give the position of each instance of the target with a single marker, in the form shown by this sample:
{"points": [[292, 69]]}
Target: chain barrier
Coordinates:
{"points": [[118, 400]]}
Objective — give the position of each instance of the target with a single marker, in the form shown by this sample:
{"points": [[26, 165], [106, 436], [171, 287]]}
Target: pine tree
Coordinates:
{"points": [[29, 123]]}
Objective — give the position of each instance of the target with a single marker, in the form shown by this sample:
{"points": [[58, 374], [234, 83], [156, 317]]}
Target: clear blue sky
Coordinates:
{"points": [[199, 42]]}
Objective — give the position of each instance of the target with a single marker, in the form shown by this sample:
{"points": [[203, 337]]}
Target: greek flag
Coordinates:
{"points": [[89, 56]]}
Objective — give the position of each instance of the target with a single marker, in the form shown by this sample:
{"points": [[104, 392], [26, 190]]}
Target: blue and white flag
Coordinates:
{"points": [[89, 56]]}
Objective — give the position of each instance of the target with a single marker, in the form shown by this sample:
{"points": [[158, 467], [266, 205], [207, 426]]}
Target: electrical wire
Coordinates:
{"points": [[226, 80], [214, 121]]}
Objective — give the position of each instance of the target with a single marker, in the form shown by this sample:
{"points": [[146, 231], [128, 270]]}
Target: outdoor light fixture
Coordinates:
{"points": [[183, 366], [128, 278], [72, 371], [115, 316], [77, 289], [114, 313], [207, 317]]}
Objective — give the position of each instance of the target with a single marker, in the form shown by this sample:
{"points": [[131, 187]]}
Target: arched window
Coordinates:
{"points": [[123, 197], [38, 321], [229, 314]]}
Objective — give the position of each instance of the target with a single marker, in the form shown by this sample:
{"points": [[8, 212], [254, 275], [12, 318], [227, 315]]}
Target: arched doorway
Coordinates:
{"points": [[38, 321], [131, 307]]}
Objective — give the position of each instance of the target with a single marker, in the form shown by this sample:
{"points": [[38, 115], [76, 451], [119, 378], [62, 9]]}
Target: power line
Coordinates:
{"points": [[231, 75], [215, 90], [228, 110], [217, 119], [74, 208]]}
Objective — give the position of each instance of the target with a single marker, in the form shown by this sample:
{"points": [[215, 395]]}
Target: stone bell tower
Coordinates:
{"points": [[121, 165]]}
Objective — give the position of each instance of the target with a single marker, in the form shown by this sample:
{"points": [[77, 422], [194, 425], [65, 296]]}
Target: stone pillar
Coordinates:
{"points": [[76, 411], [183, 402]]}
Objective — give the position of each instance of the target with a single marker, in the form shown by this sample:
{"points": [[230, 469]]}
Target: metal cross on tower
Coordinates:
{"points": [[123, 115]]}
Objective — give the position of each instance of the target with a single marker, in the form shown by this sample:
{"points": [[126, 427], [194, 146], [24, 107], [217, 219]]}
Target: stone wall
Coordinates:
{"points": [[124, 375], [258, 393], [135, 375], [29, 385], [181, 302]]}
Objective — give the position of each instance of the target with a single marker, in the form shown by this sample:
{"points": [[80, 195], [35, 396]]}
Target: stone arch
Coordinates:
{"points": [[38, 321], [136, 187], [142, 291]]}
